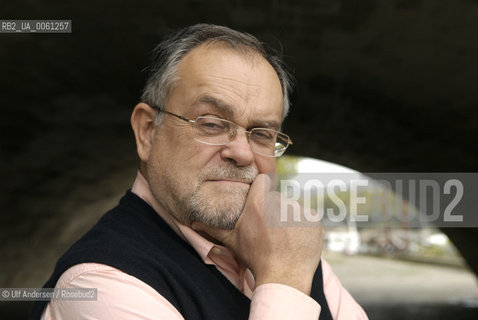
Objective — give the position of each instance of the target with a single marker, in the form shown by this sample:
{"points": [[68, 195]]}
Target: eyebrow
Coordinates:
{"points": [[274, 125], [229, 111], [218, 104]]}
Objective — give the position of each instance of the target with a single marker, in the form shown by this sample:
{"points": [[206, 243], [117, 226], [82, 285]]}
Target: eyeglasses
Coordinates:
{"points": [[217, 132]]}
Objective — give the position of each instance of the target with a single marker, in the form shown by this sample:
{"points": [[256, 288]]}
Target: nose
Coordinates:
{"points": [[238, 150]]}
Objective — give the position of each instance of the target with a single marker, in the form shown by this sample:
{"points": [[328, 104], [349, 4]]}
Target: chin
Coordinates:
{"points": [[218, 211]]}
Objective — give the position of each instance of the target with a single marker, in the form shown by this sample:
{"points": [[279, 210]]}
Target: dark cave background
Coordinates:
{"points": [[382, 86]]}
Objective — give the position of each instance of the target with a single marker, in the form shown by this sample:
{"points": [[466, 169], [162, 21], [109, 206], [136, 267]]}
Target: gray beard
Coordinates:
{"points": [[224, 213], [220, 215]]}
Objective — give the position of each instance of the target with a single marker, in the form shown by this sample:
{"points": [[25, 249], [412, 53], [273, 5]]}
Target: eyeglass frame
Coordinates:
{"points": [[235, 126]]}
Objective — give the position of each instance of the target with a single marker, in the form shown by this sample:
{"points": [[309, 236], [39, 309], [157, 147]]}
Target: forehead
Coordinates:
{"points": [[241, 80]]}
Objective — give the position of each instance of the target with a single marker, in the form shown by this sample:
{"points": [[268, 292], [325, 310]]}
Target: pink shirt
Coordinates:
{"points": [[121, 296]]}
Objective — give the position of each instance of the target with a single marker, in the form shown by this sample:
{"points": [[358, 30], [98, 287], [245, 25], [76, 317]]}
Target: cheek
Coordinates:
{"points": [[195, 156], [266, 165]]}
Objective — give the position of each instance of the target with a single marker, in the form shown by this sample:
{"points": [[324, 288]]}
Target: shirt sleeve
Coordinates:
{"points": [[276, 301], [120, 296], [280, 302], [341, 304]]}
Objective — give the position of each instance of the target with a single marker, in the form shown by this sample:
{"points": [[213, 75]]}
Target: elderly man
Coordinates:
{"points": [[190, 239]]}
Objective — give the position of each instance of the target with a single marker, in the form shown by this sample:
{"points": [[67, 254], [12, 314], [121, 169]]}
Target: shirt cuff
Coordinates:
{"points": [[278, 301]]}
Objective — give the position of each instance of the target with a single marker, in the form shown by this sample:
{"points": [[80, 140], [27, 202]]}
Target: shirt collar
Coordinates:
{"points": [[202, 246]]}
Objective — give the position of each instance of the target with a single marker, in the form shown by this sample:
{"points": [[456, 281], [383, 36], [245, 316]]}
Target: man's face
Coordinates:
{"points": [[198, 182]]}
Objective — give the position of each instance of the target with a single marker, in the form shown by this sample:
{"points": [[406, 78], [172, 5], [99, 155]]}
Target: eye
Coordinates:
{"points": [[211, 126], [263, 135]]}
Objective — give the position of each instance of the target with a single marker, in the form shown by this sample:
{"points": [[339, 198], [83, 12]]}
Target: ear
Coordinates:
{"points": [[143, 123]]}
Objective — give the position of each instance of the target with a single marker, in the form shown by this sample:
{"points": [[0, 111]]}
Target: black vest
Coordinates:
{"points": [[134, 239]]}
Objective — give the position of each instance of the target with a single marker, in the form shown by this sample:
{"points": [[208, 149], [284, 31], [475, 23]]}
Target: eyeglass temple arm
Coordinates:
{"points": [[173, 114]]}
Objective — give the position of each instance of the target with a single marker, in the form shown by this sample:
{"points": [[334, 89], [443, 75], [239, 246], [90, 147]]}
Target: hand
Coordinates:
{"points": [[287, 254]]}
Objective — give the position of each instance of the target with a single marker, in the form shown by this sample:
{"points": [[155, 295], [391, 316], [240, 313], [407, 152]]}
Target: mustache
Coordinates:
{"points": [[245, 174]]}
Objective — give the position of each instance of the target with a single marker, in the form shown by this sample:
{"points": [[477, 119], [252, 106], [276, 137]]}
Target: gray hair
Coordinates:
{"points": [[169, 53]]}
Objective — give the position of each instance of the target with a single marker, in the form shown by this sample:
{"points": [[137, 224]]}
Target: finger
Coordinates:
{"points": [[274, 176]]}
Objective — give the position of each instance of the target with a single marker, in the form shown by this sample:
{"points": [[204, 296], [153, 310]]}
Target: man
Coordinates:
{"points": [[190, 240]]}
